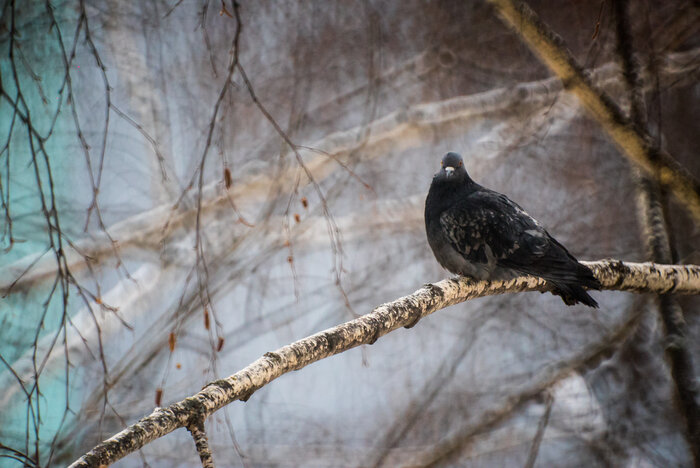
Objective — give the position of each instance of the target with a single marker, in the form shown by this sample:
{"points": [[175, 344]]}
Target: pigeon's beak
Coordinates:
{"points": [[449, 170]]}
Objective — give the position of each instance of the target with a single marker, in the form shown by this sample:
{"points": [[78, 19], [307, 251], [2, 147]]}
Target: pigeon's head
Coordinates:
{"points": [[452, 169]]}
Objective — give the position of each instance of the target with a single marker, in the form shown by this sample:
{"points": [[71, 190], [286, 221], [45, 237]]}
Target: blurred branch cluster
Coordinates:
{"points": [[186, 184]]}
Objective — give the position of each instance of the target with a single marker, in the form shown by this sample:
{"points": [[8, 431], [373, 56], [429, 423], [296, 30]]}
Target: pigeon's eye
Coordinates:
{"points": [[442, 164], [460, 164]]}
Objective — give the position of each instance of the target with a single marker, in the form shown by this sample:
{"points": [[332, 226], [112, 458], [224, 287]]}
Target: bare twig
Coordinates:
{"points": [[201, 267], [535, 448], [612, 274]]}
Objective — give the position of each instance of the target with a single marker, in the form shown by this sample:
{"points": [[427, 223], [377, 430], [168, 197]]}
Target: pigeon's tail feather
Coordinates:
{"points": [[574, 293], [570, 280], [586, 278]]}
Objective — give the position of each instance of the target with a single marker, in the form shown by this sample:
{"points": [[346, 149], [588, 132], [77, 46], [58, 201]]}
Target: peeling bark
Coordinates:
{"points": [[635, 143], [406, 311]]}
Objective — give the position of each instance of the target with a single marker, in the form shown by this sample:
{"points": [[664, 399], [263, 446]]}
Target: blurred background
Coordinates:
{"points": [[189, 184]]}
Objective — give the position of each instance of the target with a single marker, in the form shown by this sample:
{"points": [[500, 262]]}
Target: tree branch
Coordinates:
{"points": [[406, 311], [196, 428], [634, 142]]}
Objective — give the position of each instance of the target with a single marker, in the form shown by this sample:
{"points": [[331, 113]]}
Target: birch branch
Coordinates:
{"points": [[634, 142], [403, 312], [201, 443]]}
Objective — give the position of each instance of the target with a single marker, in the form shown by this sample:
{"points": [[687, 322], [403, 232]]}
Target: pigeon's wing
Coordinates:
{"points": [[488, 227]]}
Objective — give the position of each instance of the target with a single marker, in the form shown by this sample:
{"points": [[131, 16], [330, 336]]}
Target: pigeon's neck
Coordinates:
{"points": [[443, 194]]}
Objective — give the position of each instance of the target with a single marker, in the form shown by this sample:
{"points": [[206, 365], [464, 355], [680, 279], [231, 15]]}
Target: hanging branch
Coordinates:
{"points": [[196, 428], [653, 222], [403, 312], [635, 143]]}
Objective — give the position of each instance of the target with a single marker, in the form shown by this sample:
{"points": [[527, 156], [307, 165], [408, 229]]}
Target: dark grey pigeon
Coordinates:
{"points": [[479, 233]]}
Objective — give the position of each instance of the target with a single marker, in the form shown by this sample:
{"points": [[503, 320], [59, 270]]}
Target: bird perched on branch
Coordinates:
{"points": [[476, 232]]}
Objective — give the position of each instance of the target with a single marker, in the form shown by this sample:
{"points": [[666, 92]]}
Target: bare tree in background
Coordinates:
{"points": [[188, 184]]}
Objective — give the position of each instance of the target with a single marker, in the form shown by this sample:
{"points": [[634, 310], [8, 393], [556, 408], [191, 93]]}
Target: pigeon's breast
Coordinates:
{"points": [[458, 262]]}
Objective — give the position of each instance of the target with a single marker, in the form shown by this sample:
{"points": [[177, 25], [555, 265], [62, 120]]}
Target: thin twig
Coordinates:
{"points": [[535, 448]]}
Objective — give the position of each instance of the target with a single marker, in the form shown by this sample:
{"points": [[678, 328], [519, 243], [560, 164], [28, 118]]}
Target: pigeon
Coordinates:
{"points": [[482, 234]]}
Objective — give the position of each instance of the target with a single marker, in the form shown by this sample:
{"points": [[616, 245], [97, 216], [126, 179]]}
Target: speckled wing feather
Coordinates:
{"points": [[487, 226]]}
